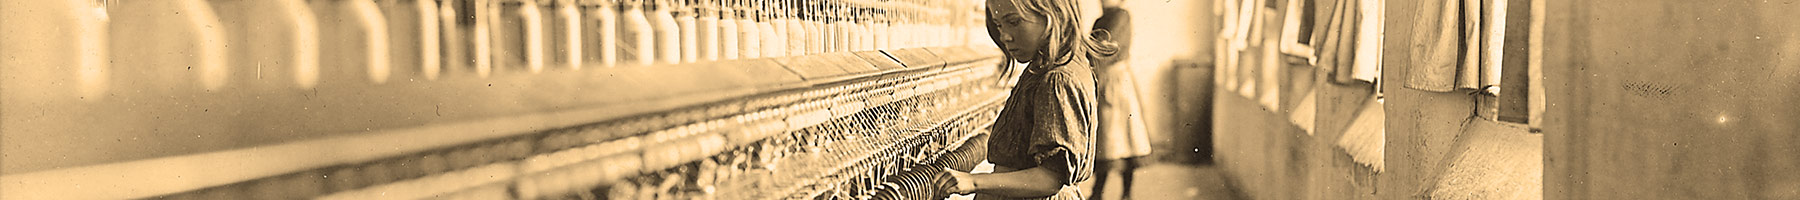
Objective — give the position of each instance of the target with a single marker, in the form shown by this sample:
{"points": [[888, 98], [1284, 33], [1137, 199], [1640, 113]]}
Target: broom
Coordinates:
{"points": [[1366, 136]]}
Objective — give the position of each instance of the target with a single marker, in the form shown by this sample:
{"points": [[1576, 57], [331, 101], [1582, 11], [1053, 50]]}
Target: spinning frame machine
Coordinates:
{"points": [[410, 99]]}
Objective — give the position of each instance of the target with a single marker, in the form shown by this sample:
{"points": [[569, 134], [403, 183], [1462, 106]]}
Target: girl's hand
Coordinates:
{"points": [[957, 182]]}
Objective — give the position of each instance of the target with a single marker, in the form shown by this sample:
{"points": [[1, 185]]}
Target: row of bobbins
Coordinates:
{"points": [[213, 45]]}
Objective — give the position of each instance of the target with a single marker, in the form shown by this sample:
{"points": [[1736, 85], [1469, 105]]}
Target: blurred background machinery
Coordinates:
{"points": [[492, 99]]}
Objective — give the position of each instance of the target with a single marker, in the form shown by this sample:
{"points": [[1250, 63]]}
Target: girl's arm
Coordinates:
{"points": [[1028, 183], [1059, 141]]}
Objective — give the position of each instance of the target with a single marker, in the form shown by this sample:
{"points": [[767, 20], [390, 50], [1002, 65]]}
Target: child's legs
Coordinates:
{"points": [[1102, 170]]}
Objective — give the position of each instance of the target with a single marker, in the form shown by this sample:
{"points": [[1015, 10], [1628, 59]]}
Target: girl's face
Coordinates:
{"points": [[1021, 34]]}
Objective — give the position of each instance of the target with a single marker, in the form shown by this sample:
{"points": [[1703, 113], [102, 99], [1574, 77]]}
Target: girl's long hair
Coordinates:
{"points": [[1066, 38]]}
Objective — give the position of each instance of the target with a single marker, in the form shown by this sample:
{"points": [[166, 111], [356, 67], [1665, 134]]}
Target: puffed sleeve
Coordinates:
{"points": [[1063, 126]]}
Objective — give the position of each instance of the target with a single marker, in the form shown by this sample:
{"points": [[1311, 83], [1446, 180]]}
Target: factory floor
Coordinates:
{"points": [[1167, 180], [1175, 181]]}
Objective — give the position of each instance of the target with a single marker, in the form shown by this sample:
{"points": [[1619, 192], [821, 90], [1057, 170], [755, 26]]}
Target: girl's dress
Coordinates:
{"points": [[1122, 131], [1047, 122]]}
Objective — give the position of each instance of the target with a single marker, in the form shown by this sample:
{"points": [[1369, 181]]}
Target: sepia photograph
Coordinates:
{"points": [[899, 99]]}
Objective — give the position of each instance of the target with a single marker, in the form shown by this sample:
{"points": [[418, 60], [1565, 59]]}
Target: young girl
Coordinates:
{"points": [[1123, 138], [1040, 142]]}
